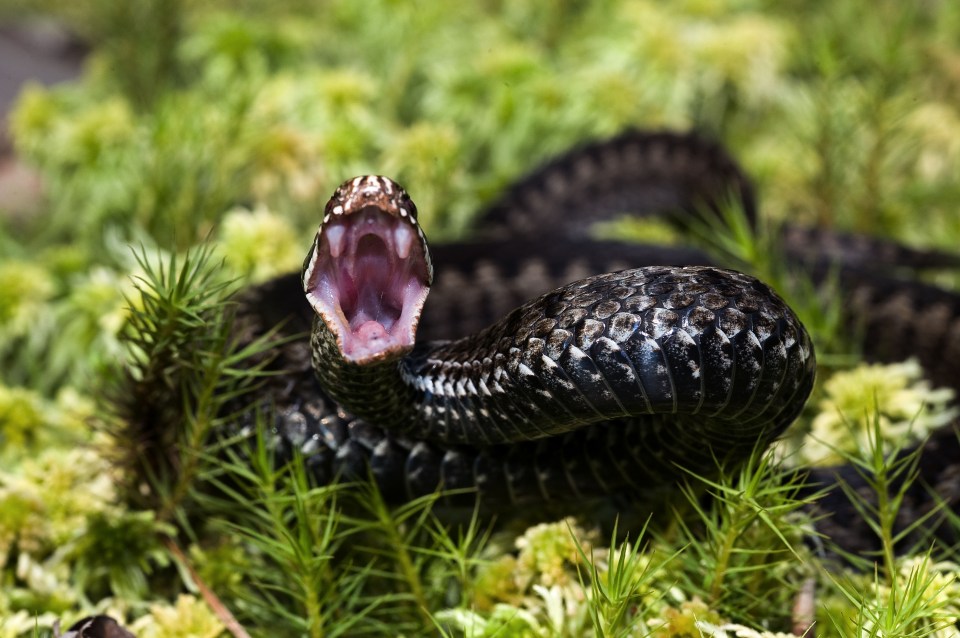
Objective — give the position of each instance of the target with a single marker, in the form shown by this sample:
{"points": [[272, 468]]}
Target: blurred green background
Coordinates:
{"points": [[231, 122]]}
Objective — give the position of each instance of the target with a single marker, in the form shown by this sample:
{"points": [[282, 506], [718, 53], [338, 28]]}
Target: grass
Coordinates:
{"points": [[209, 149]]}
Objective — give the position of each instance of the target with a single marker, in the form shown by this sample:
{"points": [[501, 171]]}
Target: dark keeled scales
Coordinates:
{"points": [[477, 281], [695, 341]]}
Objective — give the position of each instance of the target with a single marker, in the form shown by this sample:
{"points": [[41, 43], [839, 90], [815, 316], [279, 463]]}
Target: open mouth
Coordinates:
{"points": [[367, 277]]}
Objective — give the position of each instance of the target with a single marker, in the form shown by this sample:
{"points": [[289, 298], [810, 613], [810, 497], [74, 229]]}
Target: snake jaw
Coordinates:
{"points": [[366, 275]]}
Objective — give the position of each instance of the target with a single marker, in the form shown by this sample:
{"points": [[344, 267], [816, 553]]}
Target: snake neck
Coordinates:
{"points": [[447, 392], [376, 391]]}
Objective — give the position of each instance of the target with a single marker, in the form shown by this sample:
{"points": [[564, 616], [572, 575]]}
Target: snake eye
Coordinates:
{"points": [[368, 275]]}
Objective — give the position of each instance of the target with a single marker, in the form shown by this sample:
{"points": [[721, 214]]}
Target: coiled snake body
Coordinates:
{"points": [[613, 384]]}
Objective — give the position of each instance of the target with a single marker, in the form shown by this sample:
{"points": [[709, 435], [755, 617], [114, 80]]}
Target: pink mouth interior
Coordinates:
{"points": [[369, 294]]}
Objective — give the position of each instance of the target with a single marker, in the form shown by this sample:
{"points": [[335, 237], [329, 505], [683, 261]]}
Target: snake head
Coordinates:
{"points": [[368, 271]]}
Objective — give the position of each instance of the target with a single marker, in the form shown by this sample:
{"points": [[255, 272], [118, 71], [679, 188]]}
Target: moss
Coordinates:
{"points": [[688, 620], [24, 288], [233, 126], [259, 243], [905, 405], [188, 617], [21, 419]]}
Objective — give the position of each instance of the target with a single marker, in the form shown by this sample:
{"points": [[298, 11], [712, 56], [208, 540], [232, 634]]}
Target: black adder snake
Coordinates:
{"points": [[608, 385]]}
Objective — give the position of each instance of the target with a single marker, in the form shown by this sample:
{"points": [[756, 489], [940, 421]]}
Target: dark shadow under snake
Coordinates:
{"points": [[535, 238]]}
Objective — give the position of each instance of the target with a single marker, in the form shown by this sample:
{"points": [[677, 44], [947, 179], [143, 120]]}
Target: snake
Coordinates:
{"points": [[536, 364]]}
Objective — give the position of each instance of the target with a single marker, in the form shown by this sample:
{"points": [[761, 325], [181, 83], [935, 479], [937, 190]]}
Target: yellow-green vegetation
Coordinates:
{"points": [[907, 408], [192, 158]]}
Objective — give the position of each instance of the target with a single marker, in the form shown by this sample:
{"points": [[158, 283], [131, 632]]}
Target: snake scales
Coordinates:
{"points": [[606, 386]]}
